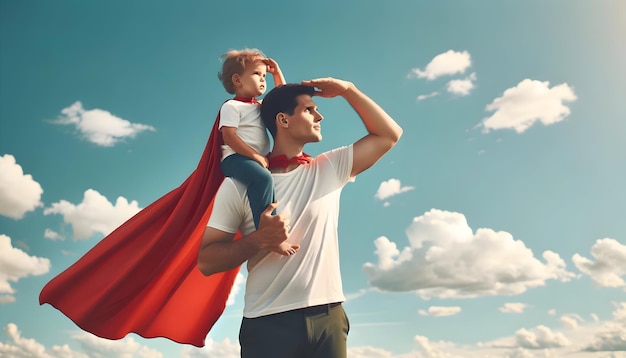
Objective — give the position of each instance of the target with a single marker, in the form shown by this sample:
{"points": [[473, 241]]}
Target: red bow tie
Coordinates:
{"points": [[282, 161], [247, 99]]}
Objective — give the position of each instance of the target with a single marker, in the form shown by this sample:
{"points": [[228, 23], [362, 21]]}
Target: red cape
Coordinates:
{"points": [[143, 277]]}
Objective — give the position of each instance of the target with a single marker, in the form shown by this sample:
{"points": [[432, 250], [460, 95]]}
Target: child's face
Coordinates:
{"points": [[251, 83]]}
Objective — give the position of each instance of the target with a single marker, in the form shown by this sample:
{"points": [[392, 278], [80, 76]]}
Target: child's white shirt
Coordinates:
{"points": [[246, 117]]}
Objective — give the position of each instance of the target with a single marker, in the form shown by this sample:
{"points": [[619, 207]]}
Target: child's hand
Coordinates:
{"points": [[272, 66], [261, 159]]}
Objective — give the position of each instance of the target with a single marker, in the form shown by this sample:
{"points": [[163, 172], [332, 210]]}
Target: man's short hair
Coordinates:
{"points": [[282, 99]]}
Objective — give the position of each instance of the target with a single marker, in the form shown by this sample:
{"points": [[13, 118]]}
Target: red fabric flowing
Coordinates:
{"points": [[143, 277]]}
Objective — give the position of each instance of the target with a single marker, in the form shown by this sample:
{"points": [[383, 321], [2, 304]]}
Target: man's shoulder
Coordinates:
{"points": [[233, 188], [233, 184], [333, 154]]}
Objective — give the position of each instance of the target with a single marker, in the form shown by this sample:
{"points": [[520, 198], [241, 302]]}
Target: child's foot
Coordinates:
{"points": [[286, 249]]}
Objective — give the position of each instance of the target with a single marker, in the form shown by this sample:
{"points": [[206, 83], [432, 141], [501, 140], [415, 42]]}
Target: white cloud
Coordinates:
{"points": [[447, 63], [224, 349], [619, 315], [440, 311], [540, 341], [446, 259], [104, 348], [19, 192], [541, 337], [462, 87], [609, 265], [239, 280], [353, 296], [426, 96], [7, 299], [369, 352], [16, 264], [611, 338], [433, 349], [99, 126], [571, 321], [528, 102], [390, 188], [513, 307], [95, 214], [595, 317], [612, 335], [20, 347], [53, 235]]}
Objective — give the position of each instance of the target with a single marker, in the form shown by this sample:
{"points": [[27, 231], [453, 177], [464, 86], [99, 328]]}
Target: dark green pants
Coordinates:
{"points": [[313, 332]]}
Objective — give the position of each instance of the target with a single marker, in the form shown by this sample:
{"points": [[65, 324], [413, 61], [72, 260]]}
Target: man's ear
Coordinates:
{"points": [[282, 120], [236, 80]]}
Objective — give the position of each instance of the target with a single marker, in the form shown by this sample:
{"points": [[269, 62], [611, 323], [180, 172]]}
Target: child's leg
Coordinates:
{"points": [[257, 179], [260, 186]]}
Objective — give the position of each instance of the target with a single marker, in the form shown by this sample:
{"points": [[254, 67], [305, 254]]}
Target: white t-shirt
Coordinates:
{"points": [[310, 195], [246, 117]]}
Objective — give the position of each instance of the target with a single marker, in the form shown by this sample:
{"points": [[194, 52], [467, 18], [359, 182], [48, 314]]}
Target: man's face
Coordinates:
{"points": [[251, 83], [304, 124]]}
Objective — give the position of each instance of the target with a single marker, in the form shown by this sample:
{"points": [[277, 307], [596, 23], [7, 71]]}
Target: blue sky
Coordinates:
{"points": [[495, 228]]}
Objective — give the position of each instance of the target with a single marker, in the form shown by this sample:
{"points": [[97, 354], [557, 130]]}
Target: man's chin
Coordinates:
{"points": [[314, 139]]}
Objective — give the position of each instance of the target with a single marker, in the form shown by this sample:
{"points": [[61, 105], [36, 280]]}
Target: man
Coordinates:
{"points": [[293, 303]]}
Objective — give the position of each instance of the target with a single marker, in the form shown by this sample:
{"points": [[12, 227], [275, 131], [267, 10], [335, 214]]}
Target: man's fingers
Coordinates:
{"points": [[268, 210]]}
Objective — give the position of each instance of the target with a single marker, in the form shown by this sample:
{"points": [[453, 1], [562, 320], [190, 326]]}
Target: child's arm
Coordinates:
{"points": [[231, 139], [272, 67], [229, 121]]}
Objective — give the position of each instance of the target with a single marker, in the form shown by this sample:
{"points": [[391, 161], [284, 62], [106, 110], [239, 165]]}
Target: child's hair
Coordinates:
{"points": [[235, 62], [282, 99]]}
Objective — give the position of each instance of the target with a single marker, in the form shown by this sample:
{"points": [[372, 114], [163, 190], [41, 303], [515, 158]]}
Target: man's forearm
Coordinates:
{"points": [[376, 120], [222, 256]]}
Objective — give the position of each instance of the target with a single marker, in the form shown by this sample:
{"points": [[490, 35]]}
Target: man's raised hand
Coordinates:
{"points": [[328, 87]]}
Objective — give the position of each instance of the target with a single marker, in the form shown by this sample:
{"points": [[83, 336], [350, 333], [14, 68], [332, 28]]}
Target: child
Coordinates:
{"points": [[245, 137]]}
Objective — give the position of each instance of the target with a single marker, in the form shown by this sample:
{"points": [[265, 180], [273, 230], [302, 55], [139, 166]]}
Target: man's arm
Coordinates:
{"points": [[383, 131], [218, 252]]}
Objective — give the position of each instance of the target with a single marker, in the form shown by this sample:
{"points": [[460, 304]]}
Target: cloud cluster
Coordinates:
{"points": [[530, 101], [95, 214], [16, 264], [571, 321], [240, 279], [104, 348], [539, 338], [440, 311], [540, 341], [19, 192], [447, 64], [446, 259], [224, 349], [609, 266], [53, 235], [390, 188], [99, 126], [444, 64], [97, 347], [612, 335], [513, 307], [462, 87]]}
